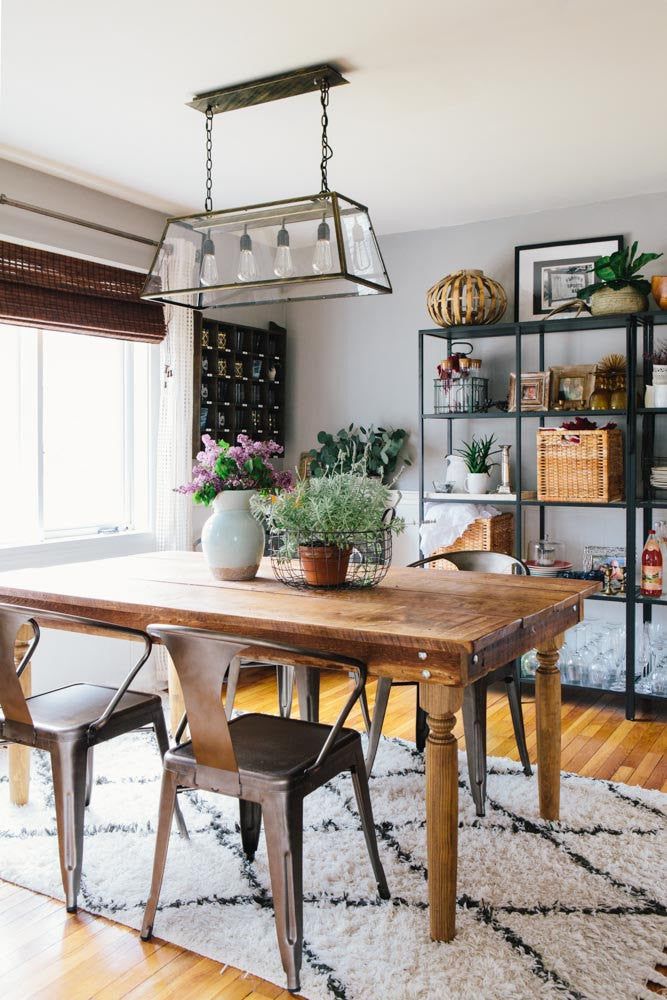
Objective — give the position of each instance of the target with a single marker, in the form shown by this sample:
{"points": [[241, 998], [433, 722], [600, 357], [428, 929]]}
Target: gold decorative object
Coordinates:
{"points": [[466, 298], [611, 370], [238, 369], [222, 366], [222, 340]]}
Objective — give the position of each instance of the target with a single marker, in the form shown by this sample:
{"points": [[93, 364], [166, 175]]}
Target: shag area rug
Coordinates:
{"points": [[575, 909]]}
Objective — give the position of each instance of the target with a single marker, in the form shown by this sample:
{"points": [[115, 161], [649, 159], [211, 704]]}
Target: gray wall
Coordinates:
{"points": [[356, 359]]}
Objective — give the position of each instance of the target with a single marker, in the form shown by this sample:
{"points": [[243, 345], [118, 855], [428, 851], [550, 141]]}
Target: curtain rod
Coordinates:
{"points": [[24, 206]]}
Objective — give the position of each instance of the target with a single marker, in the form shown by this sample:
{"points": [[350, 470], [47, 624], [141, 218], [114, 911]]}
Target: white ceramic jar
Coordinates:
{"points": [[232, 539]]}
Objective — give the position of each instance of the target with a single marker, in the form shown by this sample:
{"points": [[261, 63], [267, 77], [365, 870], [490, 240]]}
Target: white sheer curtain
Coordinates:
{"points": [[173, 521]]}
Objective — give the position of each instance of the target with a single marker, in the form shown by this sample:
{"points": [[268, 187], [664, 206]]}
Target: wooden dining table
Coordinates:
{"points": [[443, 630]]}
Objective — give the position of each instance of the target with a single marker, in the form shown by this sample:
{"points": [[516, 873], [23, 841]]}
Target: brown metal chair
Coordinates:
{"points": [[269, 763], [474, 696], [68, 723]]}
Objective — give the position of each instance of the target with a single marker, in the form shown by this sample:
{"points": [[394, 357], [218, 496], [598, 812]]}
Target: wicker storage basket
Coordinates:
{"points": [[488, 534], [581, 466]]}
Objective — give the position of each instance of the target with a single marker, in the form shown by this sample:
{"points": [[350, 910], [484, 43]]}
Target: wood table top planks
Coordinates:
{"points": [[466, 623]]}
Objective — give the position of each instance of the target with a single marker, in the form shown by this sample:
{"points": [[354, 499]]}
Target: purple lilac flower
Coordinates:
{"points": [[205, 478]]}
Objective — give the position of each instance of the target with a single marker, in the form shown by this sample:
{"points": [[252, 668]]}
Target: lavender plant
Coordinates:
{"points": [[247, 465]]}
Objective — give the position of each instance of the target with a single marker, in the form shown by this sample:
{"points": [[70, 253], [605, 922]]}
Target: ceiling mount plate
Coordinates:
{"points": [[269, 88]]}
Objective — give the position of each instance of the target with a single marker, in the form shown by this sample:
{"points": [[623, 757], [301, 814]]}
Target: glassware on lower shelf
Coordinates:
{"points": [[592, 655]]}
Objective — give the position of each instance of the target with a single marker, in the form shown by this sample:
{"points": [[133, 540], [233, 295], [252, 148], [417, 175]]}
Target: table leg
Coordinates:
{"points": [[176, 703], [547, 707], [308, 690], [442, 805], [19, 757]]}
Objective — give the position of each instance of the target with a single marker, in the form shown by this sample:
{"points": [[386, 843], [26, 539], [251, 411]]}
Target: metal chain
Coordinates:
{"points": [[208, 201], [327, 151]]}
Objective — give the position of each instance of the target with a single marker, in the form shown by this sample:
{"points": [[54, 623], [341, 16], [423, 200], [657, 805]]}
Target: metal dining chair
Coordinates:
{"points": [[474, 696], [269, 763], [68, 723]]}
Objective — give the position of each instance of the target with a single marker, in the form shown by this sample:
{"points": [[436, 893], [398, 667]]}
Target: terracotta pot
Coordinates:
{"points": [[324, 565], [610, 301], [659, 289]]}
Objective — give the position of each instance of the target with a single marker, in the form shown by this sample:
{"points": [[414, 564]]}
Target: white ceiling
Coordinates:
{"points": [[456, 111]]}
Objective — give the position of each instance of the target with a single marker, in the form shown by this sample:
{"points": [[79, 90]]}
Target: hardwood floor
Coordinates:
{"points": [[48, 954]]}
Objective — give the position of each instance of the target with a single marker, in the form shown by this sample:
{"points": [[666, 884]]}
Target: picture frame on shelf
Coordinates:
{"points": [[597, 557], [534, 393], [547, 275], [572, 386]]}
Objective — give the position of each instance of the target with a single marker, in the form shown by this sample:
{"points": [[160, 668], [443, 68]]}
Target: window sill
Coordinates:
{"points": [[82, 549]]}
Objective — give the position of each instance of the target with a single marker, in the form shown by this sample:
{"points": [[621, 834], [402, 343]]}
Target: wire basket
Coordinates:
{"points": [[348, 559], [468, 394]]}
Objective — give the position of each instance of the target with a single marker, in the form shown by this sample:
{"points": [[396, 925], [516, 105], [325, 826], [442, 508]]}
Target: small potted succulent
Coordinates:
{"points": [[318, 525], [227, 477], [619, 287], [476, 455]]}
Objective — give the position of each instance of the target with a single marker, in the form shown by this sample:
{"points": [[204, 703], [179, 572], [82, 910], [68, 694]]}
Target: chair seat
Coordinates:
{"points": [[271, 745], [73, 708]]}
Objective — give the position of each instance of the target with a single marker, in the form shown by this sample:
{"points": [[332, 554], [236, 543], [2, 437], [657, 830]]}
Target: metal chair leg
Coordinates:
{"points": [[421, 726], [251, 824], [233, 672], [68, 765], [474, 728], [513, 683], [167, 804], [90, 774], [360, 782], [283, 828], [162, 738], [365, 714], [379, 711], [285, 682], [308, 690]]}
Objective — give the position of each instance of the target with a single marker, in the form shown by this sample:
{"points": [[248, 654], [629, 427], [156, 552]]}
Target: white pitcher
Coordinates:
{"points": [[456, 473]]}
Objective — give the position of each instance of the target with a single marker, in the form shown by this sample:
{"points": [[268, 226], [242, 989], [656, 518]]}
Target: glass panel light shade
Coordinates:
{"points": [[318, 247]]}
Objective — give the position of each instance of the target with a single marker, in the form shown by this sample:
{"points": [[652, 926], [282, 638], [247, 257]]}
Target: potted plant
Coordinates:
{"points": [[619, 288], [322, 519], [377, 451], [228, 477], [658, 360], [476, 455]]}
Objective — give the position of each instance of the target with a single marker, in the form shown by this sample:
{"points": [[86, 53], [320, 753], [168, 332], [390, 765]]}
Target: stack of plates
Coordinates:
{"points": [[659, 477], [558, 567]]}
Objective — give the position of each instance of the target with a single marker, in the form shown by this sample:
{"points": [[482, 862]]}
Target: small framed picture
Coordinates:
{"points": [[534, 393], [598, 557], [572, 387], [546, 275]]}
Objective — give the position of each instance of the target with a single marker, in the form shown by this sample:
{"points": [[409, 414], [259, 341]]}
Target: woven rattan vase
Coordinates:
{"points": [[466, 298], [609, 301]]}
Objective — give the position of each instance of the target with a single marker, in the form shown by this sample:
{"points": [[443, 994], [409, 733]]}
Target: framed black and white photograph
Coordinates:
{"points": [[547, 275]]}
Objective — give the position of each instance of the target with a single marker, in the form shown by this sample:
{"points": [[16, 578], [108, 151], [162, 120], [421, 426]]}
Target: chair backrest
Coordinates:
{"points": [[201, 659], [13, 702], [479, 562], [12, 699]]}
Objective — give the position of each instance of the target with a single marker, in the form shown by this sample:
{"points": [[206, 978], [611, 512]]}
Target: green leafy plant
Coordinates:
{"points": [[378, 449], [320, 510], [476, 454], [620, 270]]}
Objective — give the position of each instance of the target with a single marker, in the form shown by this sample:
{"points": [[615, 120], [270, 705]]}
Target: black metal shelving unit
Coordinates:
{"points": [[639, 331]]}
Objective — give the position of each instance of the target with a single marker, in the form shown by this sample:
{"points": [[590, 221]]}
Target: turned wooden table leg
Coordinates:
{"points": [[19, 757], [176, 702], [442, 805], [547, 707]]}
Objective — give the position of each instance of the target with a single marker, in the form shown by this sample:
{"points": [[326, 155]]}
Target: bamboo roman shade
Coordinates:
{"points": [[56, 292]]}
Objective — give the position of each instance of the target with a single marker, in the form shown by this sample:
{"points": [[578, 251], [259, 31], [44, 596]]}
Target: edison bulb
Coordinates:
{"points": [[247, 267], [208, 274], [361, 258], [283, 266], [322, 257]]}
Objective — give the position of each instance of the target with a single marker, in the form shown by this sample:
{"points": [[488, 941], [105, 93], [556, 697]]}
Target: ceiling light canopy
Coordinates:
{"points": [[319, 246]]}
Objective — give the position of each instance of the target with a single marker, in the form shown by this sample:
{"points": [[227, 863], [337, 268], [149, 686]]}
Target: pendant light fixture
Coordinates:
{"points": [[315, 247]]}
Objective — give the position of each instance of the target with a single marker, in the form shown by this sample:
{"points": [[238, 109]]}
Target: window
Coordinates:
{"points": [[75, 444]]}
